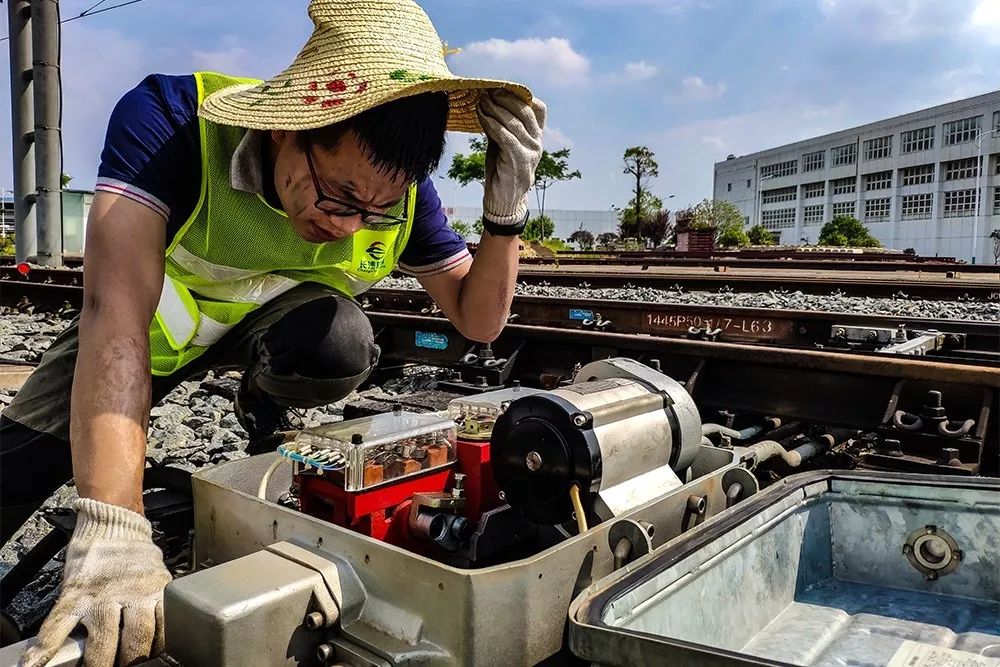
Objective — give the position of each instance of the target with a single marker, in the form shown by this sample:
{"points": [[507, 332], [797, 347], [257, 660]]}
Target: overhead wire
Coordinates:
{"points": [[91, 11]]}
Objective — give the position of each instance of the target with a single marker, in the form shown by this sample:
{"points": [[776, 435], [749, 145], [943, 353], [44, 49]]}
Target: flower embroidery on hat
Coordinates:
{"points": [[337, 87]]}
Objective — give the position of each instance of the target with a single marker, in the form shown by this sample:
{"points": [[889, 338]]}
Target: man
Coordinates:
{"points": [[232, 224]]}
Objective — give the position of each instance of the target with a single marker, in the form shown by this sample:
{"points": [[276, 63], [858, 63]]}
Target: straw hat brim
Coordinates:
{"points": [[297, 104]]}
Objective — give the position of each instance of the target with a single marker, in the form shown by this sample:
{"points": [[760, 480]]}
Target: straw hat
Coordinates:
{"points": [[362, 53]]}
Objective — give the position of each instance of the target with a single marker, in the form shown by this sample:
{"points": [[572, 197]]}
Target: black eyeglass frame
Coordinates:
{"points": [[368, 218]]}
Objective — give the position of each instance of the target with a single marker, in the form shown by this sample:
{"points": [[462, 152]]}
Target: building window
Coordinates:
{"points": [[812, 215], [780, 194], [877, 210], [876, 149], [846, 154], [880, 180], [780, 169], [961, 131], [782, 218], [729, 187], [958, 169], [996, 121], [843, 186], [996, 200], [917, 140], [810, 190], [917, 207], [813, 161], [748, 182], [917, 175], [959, 203], [843, 208]]}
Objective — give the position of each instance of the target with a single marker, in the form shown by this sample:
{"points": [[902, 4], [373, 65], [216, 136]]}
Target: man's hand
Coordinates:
{"points": [[514, 130], [113, 584]]}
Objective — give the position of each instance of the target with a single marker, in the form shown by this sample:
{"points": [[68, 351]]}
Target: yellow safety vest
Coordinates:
{"points": [[235, 253]]}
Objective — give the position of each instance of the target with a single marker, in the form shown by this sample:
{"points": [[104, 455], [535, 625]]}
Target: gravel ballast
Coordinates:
{"points": [[773, 300]]}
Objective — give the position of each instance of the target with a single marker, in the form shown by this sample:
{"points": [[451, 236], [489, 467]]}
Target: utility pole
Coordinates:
{"points": [[22, 112], [45, 38]]}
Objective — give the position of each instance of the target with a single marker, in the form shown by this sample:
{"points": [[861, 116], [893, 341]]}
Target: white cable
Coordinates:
{"points": [[262, 489]]}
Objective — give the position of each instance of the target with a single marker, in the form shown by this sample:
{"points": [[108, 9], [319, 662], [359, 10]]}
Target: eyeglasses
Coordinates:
{"points": [[393, 216]]}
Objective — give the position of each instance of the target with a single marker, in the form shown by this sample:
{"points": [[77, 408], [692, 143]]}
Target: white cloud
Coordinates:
{"points": [[899, 20], [640, 70], [98, 66], [555, 139], [667, 6], [234, 60], [552, 60], [986, 19], [695, 88]]}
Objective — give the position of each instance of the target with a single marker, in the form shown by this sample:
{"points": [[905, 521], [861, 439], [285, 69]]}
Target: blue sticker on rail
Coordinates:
{"points": [[580, 314], [431, 341]]}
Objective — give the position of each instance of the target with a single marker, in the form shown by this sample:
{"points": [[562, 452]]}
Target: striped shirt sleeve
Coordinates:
{"points": [[434, 247]]}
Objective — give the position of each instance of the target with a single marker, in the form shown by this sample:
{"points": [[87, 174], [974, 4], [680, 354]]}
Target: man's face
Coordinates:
{"points": [[344, 173]]}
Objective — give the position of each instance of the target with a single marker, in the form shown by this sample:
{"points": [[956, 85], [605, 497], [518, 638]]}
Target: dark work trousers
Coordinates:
{"points": [[308, 347]]}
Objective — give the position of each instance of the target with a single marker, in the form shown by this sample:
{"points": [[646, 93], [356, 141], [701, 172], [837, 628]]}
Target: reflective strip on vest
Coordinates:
{"points": [[178, 323], [209, 331], [228, 283]]}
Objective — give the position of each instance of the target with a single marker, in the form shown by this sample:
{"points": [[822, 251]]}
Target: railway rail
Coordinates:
{"points": [[969, 342]]}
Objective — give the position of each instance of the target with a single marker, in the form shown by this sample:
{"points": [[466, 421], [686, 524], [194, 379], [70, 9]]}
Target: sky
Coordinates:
{"points": [[694, 80]]}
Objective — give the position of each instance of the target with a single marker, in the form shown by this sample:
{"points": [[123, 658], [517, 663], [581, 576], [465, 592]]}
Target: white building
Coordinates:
{"points": [[911, 179]]}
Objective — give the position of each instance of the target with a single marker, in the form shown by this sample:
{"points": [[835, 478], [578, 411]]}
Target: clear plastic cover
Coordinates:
{"points": [[476, 414], [372, 450]]}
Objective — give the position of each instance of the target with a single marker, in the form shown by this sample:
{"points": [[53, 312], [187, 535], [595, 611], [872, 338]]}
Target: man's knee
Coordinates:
{"points": [[317, 353]]}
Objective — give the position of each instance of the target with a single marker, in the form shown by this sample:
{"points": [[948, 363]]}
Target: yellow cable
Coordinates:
{"points": [[581, 519]]}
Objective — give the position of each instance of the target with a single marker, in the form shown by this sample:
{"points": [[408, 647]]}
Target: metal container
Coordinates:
{"points": [[824, 568], [395, 607]]}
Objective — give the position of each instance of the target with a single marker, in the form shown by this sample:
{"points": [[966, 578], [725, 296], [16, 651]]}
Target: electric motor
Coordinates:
{"points": [[620, 432]]}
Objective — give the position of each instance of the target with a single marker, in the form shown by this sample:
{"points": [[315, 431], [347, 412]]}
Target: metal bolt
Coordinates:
{"points": [[324, 652], [907, 549], [872, 335], [956, 554], [934, 399], [502, 496], [315, 620], [533, 461], [932, 575], [947, 456], [697, 504], [579, 419], [481, 381], [930, 530]]}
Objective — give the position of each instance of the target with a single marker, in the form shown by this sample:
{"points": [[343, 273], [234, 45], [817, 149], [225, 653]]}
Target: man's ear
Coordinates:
{"points": [[281, 136]]}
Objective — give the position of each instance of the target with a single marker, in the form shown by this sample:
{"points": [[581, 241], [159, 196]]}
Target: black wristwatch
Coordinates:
{"points": [[505, 230]]}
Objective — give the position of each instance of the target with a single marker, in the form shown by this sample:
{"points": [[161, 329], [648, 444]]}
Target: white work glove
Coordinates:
{"points": [[514, 129], [113, 584]]}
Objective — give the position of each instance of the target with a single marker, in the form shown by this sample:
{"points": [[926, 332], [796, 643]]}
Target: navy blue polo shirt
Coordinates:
{"points": [[152, 155]]}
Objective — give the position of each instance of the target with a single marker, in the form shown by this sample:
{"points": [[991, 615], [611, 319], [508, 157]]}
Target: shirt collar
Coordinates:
{"points": [[246, 172]]}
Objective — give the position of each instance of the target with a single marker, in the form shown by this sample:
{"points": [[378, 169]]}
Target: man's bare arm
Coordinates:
{"points": [[476, 296], [123, 275]]}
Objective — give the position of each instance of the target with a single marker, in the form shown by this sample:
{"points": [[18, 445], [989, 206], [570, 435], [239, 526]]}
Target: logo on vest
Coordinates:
{"points": [[376, 250]]}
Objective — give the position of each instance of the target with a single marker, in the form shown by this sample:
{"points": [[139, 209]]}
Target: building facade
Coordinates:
{"points": [[913, 180]]}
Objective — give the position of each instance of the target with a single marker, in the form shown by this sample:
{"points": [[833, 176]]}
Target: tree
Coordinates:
{"points": [[607, 239], [654, 228], [995, 235], [628, 224], [759, 235], [539, 229], [477, 227], [64, 180], [472, 167], [727, 220], [641, 164], [460, 228], [582, 238], [846, 230], [552, 168]]}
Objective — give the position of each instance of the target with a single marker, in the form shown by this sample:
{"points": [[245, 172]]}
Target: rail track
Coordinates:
{"points": [[961, 341]]}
